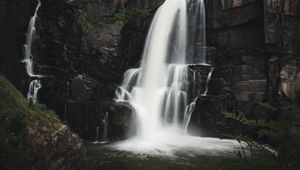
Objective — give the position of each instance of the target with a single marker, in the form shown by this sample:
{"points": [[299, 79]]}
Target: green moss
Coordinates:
{"points": [[124, 15], [86, 20], [15, 115]]}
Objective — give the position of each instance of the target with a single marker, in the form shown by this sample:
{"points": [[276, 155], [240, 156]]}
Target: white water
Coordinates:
{"points": [[159, 89], [35, 85]]}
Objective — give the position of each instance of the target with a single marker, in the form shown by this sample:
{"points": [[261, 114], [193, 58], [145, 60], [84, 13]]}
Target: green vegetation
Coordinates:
{"points": [[85, 19], [270, 143], [12, 126], [124, 15], [17, 116]]}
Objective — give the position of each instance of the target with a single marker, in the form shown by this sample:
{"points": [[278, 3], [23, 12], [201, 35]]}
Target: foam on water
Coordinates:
{"points": [[170, 142]]}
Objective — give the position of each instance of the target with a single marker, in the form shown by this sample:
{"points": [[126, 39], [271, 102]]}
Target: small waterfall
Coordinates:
{"points": [[34, 87], [188, 114], [35, 84], [208, 80]]}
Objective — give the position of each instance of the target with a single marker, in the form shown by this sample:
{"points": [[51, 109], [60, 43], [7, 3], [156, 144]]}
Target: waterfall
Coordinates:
{"points": [[35, 84], [159, 91]]}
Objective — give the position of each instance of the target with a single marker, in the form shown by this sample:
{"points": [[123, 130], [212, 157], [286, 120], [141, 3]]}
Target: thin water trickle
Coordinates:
{"points": [[105, 124], [97, 134], [102, 127], [208, 80]]}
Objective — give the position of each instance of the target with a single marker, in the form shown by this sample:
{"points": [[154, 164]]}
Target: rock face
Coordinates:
{"points": [[290, 81], [14, 18], [256, 58], [84, 48]]}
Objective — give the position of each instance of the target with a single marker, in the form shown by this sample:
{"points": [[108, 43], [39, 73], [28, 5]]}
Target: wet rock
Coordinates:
{"points": [[208, 119], [290, 81], [121, 116], [82, 88], [198, 79], [83, 117]]}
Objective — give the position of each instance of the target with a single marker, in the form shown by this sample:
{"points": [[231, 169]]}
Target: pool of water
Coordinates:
{"points": [[104, 156]]}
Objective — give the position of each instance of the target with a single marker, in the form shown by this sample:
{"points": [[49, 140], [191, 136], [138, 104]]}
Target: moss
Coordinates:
{"points": [[124, 15], [26, 130], [12, 126], [86, 20]]}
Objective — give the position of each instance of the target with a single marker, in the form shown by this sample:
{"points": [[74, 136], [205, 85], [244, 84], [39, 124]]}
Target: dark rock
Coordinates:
{"points": [[14, 18], [100, 50], [82, 88], [247, 69], [241, 26], [83, 117], [144, 4], [208, 119], [121, 116]]}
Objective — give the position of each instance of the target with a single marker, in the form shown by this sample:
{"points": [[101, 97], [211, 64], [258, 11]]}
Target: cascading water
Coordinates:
{"points": [[34, 87], [35, 84], [159, 90]]}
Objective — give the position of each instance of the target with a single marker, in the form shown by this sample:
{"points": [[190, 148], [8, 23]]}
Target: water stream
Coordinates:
{"points": [[30, 64]]}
